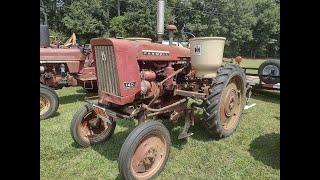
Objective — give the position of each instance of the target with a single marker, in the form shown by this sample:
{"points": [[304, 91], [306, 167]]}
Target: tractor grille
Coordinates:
{"points": [[106, 70]]}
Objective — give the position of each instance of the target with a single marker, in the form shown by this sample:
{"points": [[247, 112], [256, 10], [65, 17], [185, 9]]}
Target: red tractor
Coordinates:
{"points": [[62, 67], [141, 80]]}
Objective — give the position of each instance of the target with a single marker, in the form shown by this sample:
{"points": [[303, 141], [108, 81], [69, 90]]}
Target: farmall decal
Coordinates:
{"points": [[155, 53], [129, 85]]}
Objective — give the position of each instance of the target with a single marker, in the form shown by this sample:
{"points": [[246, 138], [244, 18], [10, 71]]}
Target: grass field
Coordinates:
{"points": [[253, 152]]}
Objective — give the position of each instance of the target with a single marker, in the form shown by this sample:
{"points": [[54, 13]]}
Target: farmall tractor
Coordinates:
{"points": [[140, 80], [62, 67]]}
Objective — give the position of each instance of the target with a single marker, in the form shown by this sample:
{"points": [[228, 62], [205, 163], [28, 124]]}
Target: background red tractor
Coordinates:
{"points": [[62, 66]]}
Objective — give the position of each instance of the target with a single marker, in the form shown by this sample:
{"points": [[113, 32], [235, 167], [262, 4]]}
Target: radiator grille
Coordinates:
{"points": [[106, 70]]}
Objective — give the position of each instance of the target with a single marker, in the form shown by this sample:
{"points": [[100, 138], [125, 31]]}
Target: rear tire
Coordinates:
{"points": [[49, 102], [84, 133], [270, 67], [226, 101], [145, 152]]}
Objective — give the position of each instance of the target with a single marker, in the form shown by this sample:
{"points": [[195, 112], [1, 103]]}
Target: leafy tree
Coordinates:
{"points": [[238, 18], [140, 18], [266, 32], [87, 19], [117, 27], [252, 27]]}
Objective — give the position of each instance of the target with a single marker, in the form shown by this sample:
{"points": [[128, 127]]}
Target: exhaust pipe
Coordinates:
{"points": [[44, 36], [160, 19]]}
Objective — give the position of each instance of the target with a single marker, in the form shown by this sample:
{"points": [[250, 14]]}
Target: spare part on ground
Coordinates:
{"points": [[269, 71], [63, 67]]}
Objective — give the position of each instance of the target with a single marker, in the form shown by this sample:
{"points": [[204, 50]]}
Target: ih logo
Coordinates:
{"points": [[129, 85], [103, 57], [197, 50]]}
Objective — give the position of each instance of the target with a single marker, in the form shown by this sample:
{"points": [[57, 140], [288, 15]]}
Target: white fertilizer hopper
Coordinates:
{"points": [[206, 55]]}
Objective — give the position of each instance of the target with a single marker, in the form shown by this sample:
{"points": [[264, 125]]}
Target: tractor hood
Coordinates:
{"points": [[60, 54], [144, 50]]}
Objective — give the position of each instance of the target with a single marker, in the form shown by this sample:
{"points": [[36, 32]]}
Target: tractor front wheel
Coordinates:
{"points": [[226, 101], [49, 102], [88, 129], [145, 151]]}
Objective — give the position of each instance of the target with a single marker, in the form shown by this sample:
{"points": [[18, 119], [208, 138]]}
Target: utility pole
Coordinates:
{"points": [[118, 7]]}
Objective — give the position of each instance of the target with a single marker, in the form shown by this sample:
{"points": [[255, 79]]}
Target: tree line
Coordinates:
{"points": [[252, 27]]}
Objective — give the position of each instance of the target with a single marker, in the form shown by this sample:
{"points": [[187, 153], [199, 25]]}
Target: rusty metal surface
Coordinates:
{"points": [[60, 54], [107, 73], [87, 77], [148, 75], [171, 75], [44, 104], [136, 47], [148, 156], [230, 105], [189, 94], [92, 128], [164, 108]]}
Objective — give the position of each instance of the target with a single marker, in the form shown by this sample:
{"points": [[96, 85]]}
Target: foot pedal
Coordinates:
{"points": [[184, 135]]}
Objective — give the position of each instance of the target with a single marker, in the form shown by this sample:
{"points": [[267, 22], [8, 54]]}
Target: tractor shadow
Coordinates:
{"points": [[199, 131], [266, 95], [89, 92], [54, 115], [266, 148], [74, 98], [174, 130]]}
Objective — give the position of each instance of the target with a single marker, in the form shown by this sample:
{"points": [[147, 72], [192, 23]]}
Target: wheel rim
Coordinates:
{"points": [[231, 104], [92, 128], [44, 104], [270, 70], [148, 156]]}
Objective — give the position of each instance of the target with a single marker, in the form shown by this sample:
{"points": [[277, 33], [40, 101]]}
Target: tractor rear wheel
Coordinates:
{"points": [[145, 152], [226, 101], [87, 129], [49, 102]]}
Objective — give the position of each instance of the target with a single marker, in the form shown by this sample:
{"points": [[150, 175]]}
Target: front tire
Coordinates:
{"points": [[145, 152], [49, 102], [226, 101], [87, 129]]}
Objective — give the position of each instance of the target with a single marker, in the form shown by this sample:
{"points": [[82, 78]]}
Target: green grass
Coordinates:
{"points": [[252, 152], [249, 63], [253, 63]]}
